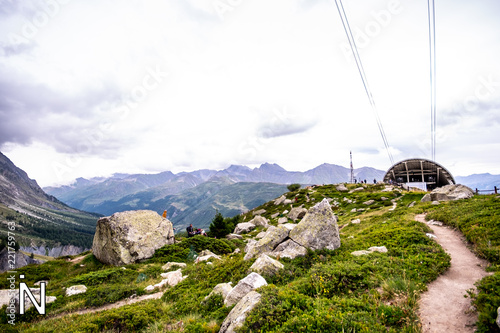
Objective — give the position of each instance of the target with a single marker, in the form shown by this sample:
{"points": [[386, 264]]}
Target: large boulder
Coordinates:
{"points": [[251, 282], [449, 192], [238, 314], [266, 265], [289, 249], [498, 317], [130, 236], [318, 229], [273, 237]]}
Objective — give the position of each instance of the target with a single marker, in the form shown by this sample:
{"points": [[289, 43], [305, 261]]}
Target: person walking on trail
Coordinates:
{"points": [[190, 230]]}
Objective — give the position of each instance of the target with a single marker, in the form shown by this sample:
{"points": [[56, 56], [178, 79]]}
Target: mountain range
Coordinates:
{"points": [[55, 220], [194, 197]]}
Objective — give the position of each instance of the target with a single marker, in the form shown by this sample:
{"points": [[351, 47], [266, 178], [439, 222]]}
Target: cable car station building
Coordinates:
{"points": [[418, 172]]}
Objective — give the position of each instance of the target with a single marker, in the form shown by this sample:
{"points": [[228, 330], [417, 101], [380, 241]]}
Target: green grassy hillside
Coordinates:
{"points": [[325, 291]]}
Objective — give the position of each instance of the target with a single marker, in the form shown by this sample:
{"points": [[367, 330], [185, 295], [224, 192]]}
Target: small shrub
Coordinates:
{"points": [[108, 294], [487, 302]]}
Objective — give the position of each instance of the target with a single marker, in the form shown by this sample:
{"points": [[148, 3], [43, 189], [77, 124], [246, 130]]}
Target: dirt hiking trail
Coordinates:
{"points": [[443, 308], [112, 306]]}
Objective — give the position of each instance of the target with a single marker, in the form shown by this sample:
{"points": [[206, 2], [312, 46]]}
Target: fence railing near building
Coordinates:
{"points": [[495, 190]]}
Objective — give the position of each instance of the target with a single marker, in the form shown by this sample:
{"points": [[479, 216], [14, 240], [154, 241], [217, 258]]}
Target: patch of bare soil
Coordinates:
{"points": [[443, 308]]}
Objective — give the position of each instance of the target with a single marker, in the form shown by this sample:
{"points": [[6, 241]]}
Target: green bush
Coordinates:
{"points": [[109, 294], [487, 302], [293, 187], [179, 252], [111, 275]]}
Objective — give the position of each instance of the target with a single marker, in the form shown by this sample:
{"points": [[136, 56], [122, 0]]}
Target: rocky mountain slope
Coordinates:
{"points": [[40, 223], [370, 281]]}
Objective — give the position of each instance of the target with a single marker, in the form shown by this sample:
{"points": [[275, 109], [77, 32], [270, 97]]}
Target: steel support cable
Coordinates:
{"points": [[354, 49], [431, 13]]}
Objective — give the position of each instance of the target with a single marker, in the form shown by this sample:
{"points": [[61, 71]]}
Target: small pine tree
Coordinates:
{"points": [[293, 187], [218, 227]]}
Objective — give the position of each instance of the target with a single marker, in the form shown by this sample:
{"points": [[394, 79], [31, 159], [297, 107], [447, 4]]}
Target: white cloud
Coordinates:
{"points": [[80, 87]]}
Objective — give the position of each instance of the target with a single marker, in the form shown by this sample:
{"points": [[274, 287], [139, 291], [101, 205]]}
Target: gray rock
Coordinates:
{"points": [[287, 201], [357, 189], [206, 253], [131, 236], [238, 314], [289, 249], [381, 249], [275, 215], [244, 227], [356, 221], [244, 286], [297, 213], [341, 188], [282, 220], [170, 279], [498, 317], [369, 202], [280, 200], [234, 236], [289, 226], [274, 236], [449, 192], [261, 235], [260, 221], [250, 245], [413, 203], [360, 253], [426, 198], [75, 290], [318, 229], [206, 257], [259, 212], [266, 265], [435, 203], [222, 289]]}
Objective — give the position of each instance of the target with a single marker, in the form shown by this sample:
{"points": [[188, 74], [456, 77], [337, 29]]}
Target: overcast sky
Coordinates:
{"points": [[90, 88]]}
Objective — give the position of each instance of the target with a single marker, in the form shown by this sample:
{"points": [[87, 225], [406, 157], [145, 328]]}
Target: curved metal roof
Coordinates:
{"points": [[419, 170]]}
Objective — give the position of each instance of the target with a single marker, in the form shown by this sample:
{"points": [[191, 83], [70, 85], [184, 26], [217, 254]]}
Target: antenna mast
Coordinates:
{"points": [[352, 170]]}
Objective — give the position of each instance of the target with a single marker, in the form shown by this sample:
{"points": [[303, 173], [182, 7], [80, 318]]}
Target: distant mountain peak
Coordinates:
{"points": [[271, 167]]}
